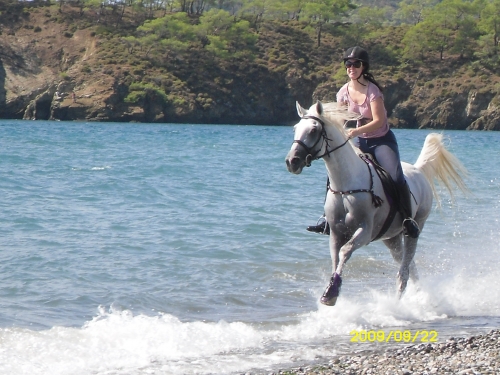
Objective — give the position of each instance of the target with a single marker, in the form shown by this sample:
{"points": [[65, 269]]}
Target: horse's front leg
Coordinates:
{"points": [[360, 238], [340, 255]]}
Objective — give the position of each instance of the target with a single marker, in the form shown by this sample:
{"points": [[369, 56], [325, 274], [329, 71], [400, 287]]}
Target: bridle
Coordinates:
{"points": [[376, 200], [323, 137]]}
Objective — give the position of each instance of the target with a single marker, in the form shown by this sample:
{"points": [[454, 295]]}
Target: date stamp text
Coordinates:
{"points": [[394, 336]]}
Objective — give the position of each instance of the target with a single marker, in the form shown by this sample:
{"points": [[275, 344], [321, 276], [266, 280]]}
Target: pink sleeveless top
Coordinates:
{"points": [[364, 109]]}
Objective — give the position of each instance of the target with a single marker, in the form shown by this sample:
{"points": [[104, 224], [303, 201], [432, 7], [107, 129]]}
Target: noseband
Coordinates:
{"points": [[314, 156]]}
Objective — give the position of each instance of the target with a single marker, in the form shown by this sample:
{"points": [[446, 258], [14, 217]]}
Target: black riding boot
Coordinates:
{"points": [[410, 226], [321, 227]]}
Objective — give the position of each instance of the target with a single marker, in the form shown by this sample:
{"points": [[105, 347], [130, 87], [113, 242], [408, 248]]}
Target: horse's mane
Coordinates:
{"points": [[337, 114]]}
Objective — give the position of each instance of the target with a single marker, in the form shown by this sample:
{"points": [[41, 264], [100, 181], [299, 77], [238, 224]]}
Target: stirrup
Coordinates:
{"points": [[321, 227], [410, 228]]}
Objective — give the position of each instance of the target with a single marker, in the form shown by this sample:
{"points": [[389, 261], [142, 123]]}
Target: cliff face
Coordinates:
{"points": [[39, 71], [56, 73], [469, 110]]}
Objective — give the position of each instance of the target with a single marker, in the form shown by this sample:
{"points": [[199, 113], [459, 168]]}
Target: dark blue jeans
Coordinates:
{"points": [[385, 150]]}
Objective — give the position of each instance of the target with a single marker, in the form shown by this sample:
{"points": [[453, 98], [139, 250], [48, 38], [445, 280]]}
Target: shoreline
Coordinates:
{"points": [[478, 354]]}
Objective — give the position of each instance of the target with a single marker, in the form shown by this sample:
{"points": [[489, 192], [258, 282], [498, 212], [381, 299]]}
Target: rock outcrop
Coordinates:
{"points": [[489, 121], [466, 110]]}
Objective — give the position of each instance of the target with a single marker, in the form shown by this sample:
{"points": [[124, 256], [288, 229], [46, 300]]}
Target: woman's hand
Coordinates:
{"points": [[368, 126], [351, 133]]}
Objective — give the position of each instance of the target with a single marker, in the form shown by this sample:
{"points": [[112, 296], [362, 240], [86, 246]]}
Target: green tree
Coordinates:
{"points": [[140, 92], [449, 26], [463, 15], [242, 37], [173, 31], [319, 12], [224, 35], [411, 11], [131, 42], [215, 21], [489, 25], [432, 34], [466, 37], [257, 10], [229, 5], [371, 18], [196, 6], [290, 9], [262, 10], [366, 20], [147, 96]]}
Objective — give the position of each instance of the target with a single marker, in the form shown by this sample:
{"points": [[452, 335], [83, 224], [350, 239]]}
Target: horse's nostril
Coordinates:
{"points": [[293, 164]]}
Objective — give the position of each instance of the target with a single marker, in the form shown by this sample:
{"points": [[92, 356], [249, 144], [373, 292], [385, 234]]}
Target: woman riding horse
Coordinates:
{"points": [[363, 95]]}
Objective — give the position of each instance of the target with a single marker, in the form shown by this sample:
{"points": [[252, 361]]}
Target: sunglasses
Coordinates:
{"points": [[356, 64]]}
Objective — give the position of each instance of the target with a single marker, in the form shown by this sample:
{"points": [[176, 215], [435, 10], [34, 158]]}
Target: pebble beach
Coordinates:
{"points": [[467, 355]]}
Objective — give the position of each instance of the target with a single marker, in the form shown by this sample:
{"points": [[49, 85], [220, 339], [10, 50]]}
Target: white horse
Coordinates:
{"points": [[356, 206]]}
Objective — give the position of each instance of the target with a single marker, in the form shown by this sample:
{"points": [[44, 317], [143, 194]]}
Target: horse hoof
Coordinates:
{"points": [[328, 302], [332, 291]]}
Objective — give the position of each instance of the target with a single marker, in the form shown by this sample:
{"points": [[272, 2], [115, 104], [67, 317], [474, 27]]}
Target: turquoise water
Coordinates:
{"points": [[181, 249]]}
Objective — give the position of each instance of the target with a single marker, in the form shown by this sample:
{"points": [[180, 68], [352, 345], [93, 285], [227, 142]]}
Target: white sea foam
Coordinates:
{"points": [[102, 168], [118, 342]]}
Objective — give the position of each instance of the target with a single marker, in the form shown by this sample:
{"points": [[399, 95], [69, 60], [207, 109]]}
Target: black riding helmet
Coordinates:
{"points": [[357, 53]]}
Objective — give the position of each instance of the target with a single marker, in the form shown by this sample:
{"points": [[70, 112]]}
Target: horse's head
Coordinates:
{"points": [[312, 140], [309, 133]]}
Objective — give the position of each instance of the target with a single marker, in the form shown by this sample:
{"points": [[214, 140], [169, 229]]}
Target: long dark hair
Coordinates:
{"points": [[369, 77]]}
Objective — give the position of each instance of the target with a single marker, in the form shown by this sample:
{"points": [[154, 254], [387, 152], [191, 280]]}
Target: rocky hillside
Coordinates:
{"points": [[56, 64]]}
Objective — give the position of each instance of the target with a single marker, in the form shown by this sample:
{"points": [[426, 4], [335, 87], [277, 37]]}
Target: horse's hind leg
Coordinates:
{"points": [[408, 268], [395, 245], [410, 246], [413, 271]]}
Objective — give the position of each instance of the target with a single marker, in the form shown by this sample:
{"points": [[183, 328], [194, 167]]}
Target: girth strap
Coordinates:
{"points": [[376, 200]]}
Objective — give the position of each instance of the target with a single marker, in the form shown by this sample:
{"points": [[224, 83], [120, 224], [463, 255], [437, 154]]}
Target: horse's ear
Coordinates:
{"points": [[319, 108], [301, 111]]}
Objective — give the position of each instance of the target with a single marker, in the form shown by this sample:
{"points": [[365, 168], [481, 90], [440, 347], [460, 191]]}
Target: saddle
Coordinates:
{"points": [[391, 191]]}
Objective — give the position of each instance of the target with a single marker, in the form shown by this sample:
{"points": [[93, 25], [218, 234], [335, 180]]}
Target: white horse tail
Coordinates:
{"points": [[436, 162]]}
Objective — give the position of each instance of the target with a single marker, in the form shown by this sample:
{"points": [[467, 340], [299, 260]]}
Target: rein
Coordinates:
{"points": [[311, 157]]}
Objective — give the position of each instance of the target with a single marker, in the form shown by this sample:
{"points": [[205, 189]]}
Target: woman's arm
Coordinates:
{"points": [[379, 119]]}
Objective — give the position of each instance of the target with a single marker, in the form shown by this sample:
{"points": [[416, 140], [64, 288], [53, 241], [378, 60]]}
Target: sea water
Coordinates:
{"points": [[181, 249]]}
